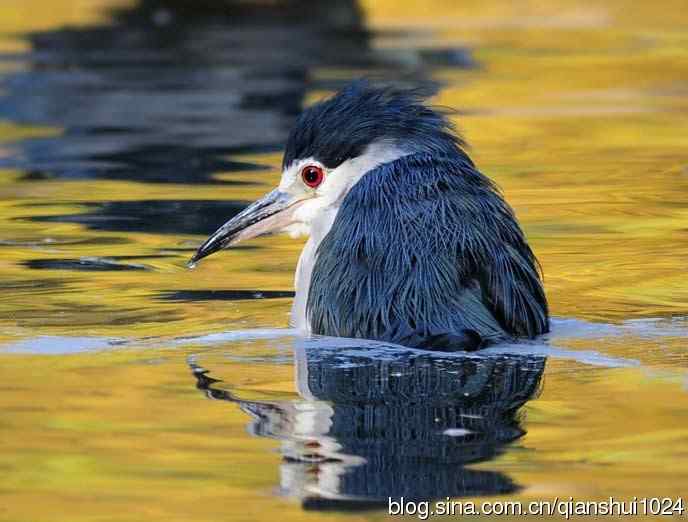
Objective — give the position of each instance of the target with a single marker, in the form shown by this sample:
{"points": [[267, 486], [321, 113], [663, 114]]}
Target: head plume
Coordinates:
{"points": [[341, 127]]}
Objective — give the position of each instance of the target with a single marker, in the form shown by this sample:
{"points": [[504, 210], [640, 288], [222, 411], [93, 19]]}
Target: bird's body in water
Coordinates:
{"points": [[408, 242]]}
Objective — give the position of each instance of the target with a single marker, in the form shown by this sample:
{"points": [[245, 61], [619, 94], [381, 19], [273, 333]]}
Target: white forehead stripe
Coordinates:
{"points": [[375, 154], [340, 180]]}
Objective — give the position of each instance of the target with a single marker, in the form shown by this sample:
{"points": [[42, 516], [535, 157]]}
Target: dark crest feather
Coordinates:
{"points": [[341, 127]]}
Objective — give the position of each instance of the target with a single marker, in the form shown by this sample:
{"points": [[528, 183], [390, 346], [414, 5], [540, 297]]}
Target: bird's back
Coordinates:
{"points": [[425, 252]]}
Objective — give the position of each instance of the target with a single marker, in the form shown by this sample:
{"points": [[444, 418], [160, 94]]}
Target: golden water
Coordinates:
{"points": [[578, 110]]}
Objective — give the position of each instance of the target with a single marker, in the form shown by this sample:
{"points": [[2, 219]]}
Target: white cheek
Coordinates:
{"points": [[335, 186], [297, 230], [309, 211], [320, 207]]}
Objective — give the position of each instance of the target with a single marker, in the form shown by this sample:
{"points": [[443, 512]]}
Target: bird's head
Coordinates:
{"points": [[333, 144]]}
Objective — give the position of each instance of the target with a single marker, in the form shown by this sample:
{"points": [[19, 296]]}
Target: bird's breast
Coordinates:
{"points": [[320, 227]]}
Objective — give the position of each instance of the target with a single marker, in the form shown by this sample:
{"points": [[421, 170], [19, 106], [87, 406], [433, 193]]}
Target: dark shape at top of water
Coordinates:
{"points": [[47, 242], [82, 264], [156, 163], [153, 216], [368, 428], [452, 57], [170, 89], [222, 295], [334, 13]]}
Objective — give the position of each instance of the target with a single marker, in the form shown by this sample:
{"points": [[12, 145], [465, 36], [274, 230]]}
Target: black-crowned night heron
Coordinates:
{"points": [[409, 243]]}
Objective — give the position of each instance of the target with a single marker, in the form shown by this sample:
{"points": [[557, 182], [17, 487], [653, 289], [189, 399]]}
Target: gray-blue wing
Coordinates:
{"points": [[425, 252]]}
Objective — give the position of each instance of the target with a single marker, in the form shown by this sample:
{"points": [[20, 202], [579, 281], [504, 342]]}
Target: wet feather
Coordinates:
{"points": [[423, 247]]}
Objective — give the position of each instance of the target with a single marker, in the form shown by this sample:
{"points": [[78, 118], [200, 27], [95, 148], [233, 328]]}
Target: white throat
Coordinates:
{"points": [[319, 223]]}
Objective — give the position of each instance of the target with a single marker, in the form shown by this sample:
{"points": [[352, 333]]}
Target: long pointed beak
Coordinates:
{"points": [[271, 213]]}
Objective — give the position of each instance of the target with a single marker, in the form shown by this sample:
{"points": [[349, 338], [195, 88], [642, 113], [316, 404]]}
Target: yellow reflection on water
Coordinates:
{"points": [[18, 17], [578, 112]]}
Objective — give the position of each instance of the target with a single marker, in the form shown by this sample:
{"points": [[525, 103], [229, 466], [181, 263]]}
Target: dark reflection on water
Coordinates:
{"points": [[83, 264], [153, 216], [170, 89], [222, 295], [61, 241], [366, 428]]}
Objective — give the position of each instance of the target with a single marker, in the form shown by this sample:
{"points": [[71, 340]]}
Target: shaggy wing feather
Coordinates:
{"points": [[425, 252]]}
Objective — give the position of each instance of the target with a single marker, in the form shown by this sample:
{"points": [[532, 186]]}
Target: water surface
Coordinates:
{"points": [[130, 130]]}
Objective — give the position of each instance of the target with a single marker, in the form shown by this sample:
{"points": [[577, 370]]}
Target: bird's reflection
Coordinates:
{"points": [[368, 428]]}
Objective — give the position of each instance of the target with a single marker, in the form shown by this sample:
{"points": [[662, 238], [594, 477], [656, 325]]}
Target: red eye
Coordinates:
{"points": [[312, 176]]}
